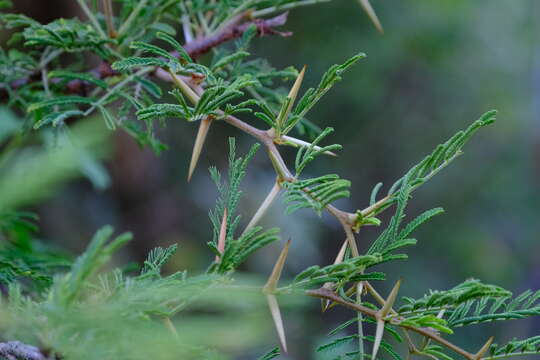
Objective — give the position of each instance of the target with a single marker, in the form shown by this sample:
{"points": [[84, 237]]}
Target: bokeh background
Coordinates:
{"points": [[439, 65]]}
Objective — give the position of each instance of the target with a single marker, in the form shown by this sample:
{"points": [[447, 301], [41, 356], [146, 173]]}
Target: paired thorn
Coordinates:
{"points": [[483, 349], [291, 98], [108, 11], [269, 290], [186, 90], [273, 280], [169, 325], [203, 127], [295, 88], [366, 5], [278, 321], [222, 236], [381, 314], [390, 300], [339, 259], [261, 211], [199, 143]]}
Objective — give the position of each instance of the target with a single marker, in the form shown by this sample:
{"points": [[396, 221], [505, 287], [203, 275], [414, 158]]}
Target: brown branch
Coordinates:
{"points": [[195, 49], [232, 30], [264, 27], [327, 294]]}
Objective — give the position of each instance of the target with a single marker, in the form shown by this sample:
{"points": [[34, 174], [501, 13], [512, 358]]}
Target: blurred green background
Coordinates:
{"points": [[439, 65]]}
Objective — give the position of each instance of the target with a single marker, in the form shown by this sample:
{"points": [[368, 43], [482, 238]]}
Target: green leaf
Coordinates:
{"points": [[96, 255], [137, 62], [274, 353], [68, 75], [156, 259], [333, 75], [413, 225], [226, 60], [109, 119], [315, 193], [151, 87], [176, 45], [61, 100]]}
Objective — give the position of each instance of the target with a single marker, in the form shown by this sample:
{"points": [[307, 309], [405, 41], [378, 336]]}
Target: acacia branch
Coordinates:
{"points": [[195, 49], [233, 29], [264, 27], [327, 294]]}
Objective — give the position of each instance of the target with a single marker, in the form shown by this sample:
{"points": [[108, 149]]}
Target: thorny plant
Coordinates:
{"points": [[56, 305]]}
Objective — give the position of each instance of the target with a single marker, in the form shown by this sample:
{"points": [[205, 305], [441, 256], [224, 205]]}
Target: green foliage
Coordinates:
{"points": [[307, 154], [60, 101], [236, 250], [342, 345], [68, 35], [470, 290], [530, 346], [441, 157], [22, 259], [351, 270], [308, 100], [401, 191], [68, 288], [315, 193], [506, 308], [271, 354], [156, 259], [119, 315], [31, 175]]}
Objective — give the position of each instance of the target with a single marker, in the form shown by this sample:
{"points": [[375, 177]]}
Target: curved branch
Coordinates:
{"points": [[327, 294], [195, 49]]}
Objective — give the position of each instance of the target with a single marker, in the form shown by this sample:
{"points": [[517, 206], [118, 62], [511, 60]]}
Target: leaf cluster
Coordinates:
{"points": [[236, 249]]}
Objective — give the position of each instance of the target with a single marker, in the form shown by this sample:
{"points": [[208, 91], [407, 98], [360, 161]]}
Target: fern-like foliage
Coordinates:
{"points": [[156, 259], [306, 102], [441, 157], [489, 309], [401, 191], [68, 288], [67, 34], [350, 270], [468, 303], [473, 302], [343, 347], [525, 347], [315, 193], [218, 99], [119, 311], [470, 290], [272, 354], [236, 249]]}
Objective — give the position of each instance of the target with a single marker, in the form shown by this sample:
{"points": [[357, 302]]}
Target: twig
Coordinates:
{"points": [[109, 18], [126, 25], [92, 18], [115, 89], [289, 6], [264, 27], [194, 48], [323, 293]]}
